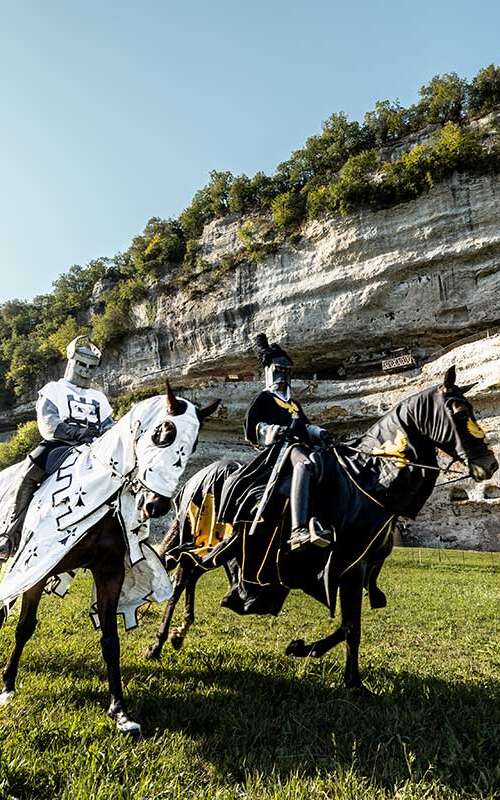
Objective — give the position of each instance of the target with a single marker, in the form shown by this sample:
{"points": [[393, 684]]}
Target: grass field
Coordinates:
{"points": [[232, 717]]}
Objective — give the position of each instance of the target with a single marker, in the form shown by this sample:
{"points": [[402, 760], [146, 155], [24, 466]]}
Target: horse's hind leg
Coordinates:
{"points": [[154, 652], [375, 594], [108, 581], [24, 631], [300, 649], [179, 634]]}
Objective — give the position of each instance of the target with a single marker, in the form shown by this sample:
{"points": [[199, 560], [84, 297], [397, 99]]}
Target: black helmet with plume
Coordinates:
{"points": [[277, 366]]}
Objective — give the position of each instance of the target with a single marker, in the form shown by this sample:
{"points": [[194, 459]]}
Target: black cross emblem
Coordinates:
{"points": [[80, 494], [69, 533], [31, 554], [180, 452]]}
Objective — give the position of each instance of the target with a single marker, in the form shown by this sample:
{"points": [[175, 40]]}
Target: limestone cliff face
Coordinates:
{"points": [[459, 514], [423, 275]]}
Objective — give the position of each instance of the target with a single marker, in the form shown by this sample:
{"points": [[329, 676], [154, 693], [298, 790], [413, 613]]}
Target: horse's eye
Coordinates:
{"points": [[459, 410], [164, 435]]}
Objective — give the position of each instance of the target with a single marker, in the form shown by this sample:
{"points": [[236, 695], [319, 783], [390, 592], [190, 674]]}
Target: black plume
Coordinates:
{"points": [[263, 349], [266, 352]]}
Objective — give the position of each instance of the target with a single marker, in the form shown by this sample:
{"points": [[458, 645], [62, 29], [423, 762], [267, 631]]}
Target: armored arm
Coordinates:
{"points": [[53, 428], [47, 417], [318, 435], [72, 433], [267, 434], [106, 425]]}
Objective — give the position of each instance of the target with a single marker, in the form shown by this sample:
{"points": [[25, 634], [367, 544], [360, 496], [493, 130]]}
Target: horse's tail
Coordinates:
{"points": [[170, 540]]}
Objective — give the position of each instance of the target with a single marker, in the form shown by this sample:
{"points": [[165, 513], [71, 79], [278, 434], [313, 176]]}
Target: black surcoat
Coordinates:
{"points": [[272, 410], [250, 480]]}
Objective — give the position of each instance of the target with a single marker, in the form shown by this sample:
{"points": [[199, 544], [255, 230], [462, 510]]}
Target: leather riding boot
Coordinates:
{"points": [[27, 488], [304, 530]]}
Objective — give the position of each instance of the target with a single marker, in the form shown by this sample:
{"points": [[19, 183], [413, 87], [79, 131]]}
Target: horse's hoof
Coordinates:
{"points": [[176, 640], [6, 696], [378, 599], [361, 692], [152, 654], [297, 648], [128, 726]]}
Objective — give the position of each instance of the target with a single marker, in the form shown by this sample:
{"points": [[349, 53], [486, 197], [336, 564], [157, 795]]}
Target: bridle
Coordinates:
{"points": [[445, 470]]}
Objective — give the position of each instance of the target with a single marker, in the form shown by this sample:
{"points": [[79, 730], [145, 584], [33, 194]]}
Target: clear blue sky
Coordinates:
{"points": [[113, 112]]}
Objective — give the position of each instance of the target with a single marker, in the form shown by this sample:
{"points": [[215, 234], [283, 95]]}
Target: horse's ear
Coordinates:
{"points": [[203, 413], [171, 400], [450, 377], [468, 387]]}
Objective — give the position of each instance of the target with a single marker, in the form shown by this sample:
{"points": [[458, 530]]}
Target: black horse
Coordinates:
{"points": [[101, 550], [388, 472]]}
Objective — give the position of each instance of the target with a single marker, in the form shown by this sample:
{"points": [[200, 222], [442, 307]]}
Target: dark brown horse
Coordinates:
{"points": [[102, 550], [388, 472]]}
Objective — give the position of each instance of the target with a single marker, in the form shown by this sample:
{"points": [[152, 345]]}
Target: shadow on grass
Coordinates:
{"points": [[248, 719]]}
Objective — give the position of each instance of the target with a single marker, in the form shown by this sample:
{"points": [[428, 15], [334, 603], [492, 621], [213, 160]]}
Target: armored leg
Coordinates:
{"points": [[304, 530], [30, 481]]}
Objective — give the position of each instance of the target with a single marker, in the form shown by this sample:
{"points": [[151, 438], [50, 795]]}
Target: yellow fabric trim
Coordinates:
{"points": [[206, 530], [265, 557], [339, 458], [388, 522], [289, 406], [396, 448], [285, 509], [475, 429]]}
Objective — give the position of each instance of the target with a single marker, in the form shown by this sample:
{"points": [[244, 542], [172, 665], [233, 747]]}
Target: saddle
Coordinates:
{"points": [[49, 456], [55, 458]]}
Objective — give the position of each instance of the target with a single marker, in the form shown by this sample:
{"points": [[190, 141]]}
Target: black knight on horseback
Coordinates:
{"points": [[275, 420], [361, 490]]}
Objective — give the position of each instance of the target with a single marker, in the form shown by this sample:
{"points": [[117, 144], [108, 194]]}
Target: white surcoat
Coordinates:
{"points": [[62, 401]]}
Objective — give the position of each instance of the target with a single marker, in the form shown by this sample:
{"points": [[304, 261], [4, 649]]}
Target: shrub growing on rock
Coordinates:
{"points": [[24, 440], [116, 319], [288, 211], [160, 246], [484, 91], [443, 99]]}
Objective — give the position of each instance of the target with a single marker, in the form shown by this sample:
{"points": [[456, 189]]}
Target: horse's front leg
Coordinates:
{"points": [[351, 594], [298, 647], [375, 594], [108, 582], [24, 631], [154, 652]]}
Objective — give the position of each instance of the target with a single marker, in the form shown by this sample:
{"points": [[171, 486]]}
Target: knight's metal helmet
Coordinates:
{"points": [[277, 366], [83, 359]]}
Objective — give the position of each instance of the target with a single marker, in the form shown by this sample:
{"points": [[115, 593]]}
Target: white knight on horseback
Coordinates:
{"points": [[68, 412], [89, 467]]}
